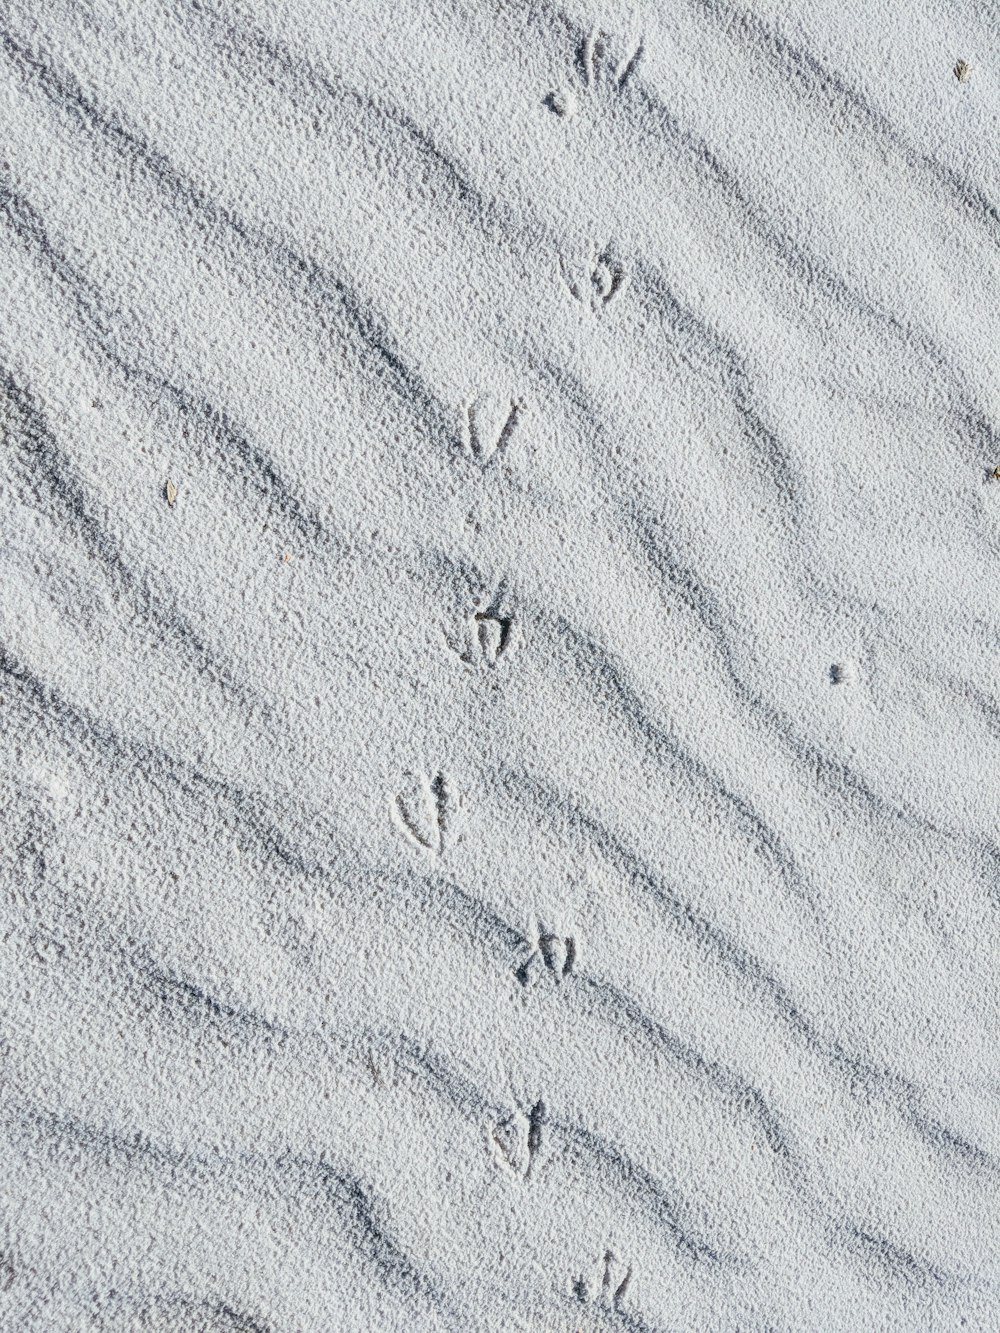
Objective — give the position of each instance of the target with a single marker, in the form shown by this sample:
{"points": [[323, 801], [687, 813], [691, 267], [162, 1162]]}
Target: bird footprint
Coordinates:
{"points": [[614, 1284], [427, 810], [482, 442], [553, 954], [517, 1139], [490, 633], [598, 64], [604, 64], [597, 282]]}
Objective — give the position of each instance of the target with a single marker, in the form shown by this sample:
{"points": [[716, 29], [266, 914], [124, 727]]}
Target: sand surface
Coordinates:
{"points": [[499, 692]]}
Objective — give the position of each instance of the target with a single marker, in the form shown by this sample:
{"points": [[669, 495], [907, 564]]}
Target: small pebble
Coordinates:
{"points": [[562, 102], [962, 71], [170, 490]]}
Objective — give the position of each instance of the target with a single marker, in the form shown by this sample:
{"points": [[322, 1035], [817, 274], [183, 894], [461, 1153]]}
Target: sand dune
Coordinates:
{"points": [[498, 666]]}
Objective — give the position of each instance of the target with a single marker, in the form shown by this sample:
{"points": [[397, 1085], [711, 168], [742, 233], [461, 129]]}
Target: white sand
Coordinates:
{"points": [[514, 843]]}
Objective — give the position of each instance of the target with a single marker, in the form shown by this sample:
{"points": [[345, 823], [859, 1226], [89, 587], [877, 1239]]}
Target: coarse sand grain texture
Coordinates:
{"points": [[499, 666]]}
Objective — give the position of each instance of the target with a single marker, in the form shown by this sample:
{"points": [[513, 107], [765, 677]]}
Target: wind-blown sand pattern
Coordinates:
{"points": [[498, 666]]}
